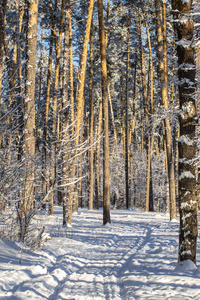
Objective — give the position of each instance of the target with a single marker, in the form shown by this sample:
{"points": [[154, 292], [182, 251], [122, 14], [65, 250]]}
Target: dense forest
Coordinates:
{"points": [[99, 108]]}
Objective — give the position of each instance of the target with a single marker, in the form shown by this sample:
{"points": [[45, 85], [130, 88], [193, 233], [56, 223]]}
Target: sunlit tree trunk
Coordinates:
{"points": [[69, 198], [162, 67], [171, 169], [80, 104], [29, 105], [184, 29], [106, 176], [82, 68], [91, 128], [80, 91]]}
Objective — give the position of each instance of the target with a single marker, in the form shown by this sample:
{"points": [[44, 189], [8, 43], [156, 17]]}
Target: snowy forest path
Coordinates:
{"points": [[133, 258], [96, 271], [106, 262]]}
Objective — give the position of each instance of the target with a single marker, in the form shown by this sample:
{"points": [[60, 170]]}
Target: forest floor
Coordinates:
{"points": [[135, 257]]}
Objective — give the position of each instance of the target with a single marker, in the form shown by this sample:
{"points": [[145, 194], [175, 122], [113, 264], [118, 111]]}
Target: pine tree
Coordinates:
{"points": [[162, 63], [29, 106], [104, 83], [184, 29]]}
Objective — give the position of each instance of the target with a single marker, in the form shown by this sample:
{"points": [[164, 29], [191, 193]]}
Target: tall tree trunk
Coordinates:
{"points": [[132, 131], [60, 136], [45, 182], [184, 29], [40, 85], [112, 114], [81, 86], [20, 102], [82, 69], [121, 115], [4, 46], [79, 203], [149, 200], [150, 136], [127, 120], [71, 76], [58, 44], [162, 66], [68, 62], [68, 198], [91, 152], [80, 102], [172, 179], [106, 176], [2, 9], [65, 198], [97, 155], [29, 105]]}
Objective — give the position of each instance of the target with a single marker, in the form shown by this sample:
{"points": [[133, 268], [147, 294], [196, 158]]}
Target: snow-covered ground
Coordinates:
{"points": [[133, 258]]}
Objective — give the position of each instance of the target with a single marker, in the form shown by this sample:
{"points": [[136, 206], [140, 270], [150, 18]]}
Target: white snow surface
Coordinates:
{"points": [[133, 258]]}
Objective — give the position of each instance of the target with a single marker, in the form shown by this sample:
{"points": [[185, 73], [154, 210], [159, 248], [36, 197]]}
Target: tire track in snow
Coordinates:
{"points": [[106, 283], [135, 251], [97, 276], [134, 248]]}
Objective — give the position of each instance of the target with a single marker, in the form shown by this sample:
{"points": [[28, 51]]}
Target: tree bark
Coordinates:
{"points": [[53, 171], [149, 198], [127, 120], [29, 105], [104, 83], [184, 29], [20, 102], [91, 126], [97, 155], [45, 182], [162, 67], [80, 104], [82, 69], [150, 136], [40, 86]]}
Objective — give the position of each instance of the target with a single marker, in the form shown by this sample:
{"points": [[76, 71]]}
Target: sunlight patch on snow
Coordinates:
{"points": [[38, 270], [85, 277], [59, 274]]}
